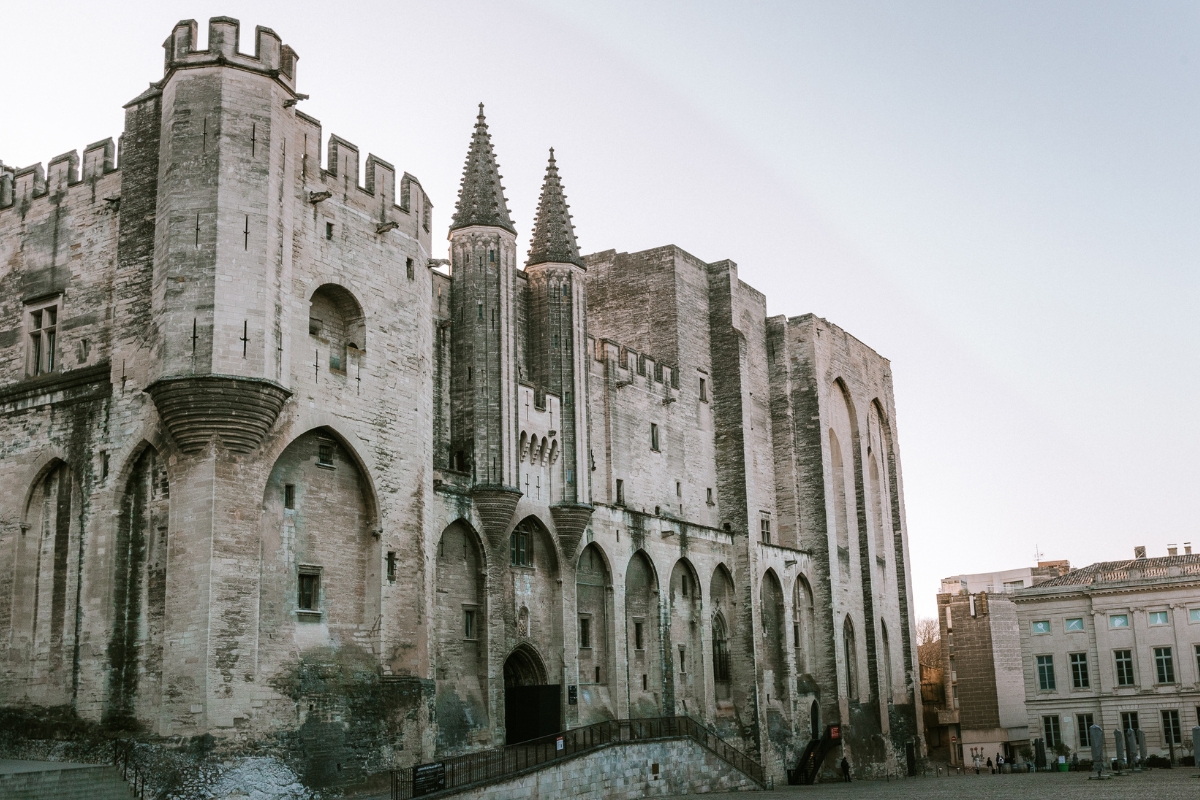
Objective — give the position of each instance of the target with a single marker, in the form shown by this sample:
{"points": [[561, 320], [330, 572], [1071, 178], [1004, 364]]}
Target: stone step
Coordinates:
{"points": [[48, 780]]}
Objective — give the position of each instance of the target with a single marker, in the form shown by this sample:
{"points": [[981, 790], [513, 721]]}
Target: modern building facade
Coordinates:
{"points": [[277, 474], [1117, 644]]}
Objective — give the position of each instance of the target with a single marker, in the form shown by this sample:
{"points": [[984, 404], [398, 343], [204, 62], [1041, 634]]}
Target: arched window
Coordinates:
{"points": [[840, 523], [720, 645], [877, 511], [851, 652], [335, 320]]}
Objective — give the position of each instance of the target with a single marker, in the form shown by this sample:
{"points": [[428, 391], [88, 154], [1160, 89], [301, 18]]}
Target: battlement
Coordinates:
{"points": [[271, 57], [630, 362], [18, 186]]}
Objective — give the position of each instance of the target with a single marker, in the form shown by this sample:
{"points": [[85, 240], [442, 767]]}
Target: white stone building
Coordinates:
{"points": [[1117, 644]]}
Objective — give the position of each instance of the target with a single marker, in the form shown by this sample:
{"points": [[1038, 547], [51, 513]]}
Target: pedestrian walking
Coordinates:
{"points": [[845, 770], [989, 765], [1000, 763]]}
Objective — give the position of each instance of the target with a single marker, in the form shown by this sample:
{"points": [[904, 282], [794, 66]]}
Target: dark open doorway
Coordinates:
{"points": [[531, 706], [814, 721]]}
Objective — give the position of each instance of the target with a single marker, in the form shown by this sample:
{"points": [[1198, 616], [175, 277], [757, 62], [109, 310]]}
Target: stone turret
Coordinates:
{"points": [[217, 248], [483, 259], [558, 349]]}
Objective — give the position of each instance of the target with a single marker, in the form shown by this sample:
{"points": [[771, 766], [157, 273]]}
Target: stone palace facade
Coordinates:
{"points": [[274, 473]]}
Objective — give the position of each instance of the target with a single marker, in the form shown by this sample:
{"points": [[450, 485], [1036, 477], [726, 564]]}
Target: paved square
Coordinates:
{"points": [[1160, 784]]}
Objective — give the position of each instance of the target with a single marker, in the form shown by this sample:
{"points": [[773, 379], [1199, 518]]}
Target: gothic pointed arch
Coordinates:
{"points": [[774, 638], [460, 636], [685, 653], [722, 604], [139, 595], [804, 621], [643, 636], [594, 605]]}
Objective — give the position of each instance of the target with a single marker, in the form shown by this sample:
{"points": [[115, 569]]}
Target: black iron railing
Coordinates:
{"points": [[129, 771], [490, 765]]}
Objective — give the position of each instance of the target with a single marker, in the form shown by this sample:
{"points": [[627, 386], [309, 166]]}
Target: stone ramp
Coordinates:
{"points": [[60, 780]]}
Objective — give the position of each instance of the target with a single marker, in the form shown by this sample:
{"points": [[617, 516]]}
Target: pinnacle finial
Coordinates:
{"points": [[553, 238], [481, 197]]}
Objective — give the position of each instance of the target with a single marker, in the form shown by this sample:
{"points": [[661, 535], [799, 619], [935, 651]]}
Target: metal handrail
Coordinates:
{"points": [[490, 765], [129, 772]]}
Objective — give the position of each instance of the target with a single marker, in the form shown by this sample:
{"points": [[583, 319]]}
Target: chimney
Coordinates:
{"points": [[1139, 552], [1187, 548], [1172, 550]]}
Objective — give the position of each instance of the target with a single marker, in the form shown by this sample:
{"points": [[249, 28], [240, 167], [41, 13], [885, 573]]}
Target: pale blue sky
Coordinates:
{"points": [[1002, 198]]}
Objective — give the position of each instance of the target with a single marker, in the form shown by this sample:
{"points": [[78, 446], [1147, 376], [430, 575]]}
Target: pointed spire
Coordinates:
{"points": [[553, 234], [481, 197]]}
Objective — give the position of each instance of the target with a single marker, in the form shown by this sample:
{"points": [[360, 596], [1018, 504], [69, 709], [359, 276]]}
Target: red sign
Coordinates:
{"points": [[834, 732], [954, 738]]}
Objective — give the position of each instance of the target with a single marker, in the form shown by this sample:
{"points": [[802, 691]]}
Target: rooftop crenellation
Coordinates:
{"points": [[271, 56]]}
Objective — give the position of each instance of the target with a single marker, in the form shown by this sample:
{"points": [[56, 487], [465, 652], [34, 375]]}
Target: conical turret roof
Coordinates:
{"points": [[553, 234], [481, 197]]}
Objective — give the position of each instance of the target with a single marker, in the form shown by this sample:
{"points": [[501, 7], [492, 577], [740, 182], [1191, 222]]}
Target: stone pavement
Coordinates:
{"points": [[1160, 784]]}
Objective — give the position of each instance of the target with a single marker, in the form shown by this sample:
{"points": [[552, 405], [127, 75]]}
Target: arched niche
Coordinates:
{"points": [[843, 457], [687, 659], [532, 705], [336, 324], [135, 649], [460, 631], [888, 673], [774, 639], [320, 549], [644, 646], [593, 601], [39, 591], [804, 620], [722, 604], [850, 657]]}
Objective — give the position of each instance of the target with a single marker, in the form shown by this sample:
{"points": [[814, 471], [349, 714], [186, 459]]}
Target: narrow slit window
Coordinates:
{"points": [[469, 623], [620, 492], [654, 436], [391, 566], [637, 636], [328, 230], [408, 268], [703, 390], [585, 632], [289, 495]]}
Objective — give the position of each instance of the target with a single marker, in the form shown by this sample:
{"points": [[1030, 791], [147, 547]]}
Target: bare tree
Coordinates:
{"points": [[929, 642]]}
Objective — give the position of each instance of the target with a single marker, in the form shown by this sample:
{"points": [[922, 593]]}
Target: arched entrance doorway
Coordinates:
{"points": [[814, 720], [531, 705]]}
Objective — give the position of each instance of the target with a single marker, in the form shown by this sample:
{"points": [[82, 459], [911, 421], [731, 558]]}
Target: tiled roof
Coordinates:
{"points": [[1133, 569]]}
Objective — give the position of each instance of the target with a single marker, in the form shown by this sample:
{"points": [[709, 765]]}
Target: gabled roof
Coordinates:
{"points": [[553, 234], [481, 197]]}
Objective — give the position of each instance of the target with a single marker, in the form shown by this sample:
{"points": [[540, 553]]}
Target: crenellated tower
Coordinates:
{"points": [[219, 244], [558, 348], [483, 260]]}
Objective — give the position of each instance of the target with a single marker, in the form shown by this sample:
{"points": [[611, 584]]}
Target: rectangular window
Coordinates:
{"points": [[1045, 669], [1172, 730], [1129, 720], [764, 526], [468, 623], [645, 683], [408, 267], [1197, 648], [325, 454], [1041, 626], [585, 632], [597, 674], [43, 339], [1118, 621], [310, 590], [683, 659], [521, 549], [710, 499], [703, 390], [1164, 665], [328, 230], [653, 436], [1124, 659], [391, 566], [1075, 624], [289, 495], [1194, 615], [637, 636], [1052, 732], [1012, 586], [1079, 671], [796, 633], [620, 492], [1158, 618], [1085, 722], [678, 489]]}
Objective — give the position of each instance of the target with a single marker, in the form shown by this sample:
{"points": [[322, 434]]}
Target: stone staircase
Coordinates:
{"points": [[55, 780]]}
